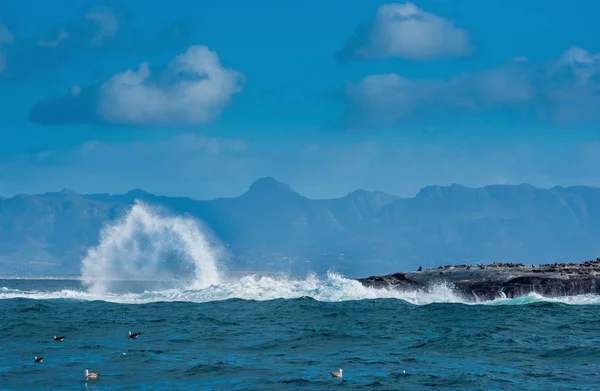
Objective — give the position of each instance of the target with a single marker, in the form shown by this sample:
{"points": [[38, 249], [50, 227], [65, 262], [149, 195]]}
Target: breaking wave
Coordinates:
{"points": [[329, 288], [144, 245]]}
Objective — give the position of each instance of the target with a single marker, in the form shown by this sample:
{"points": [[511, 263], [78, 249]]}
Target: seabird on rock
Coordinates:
{"points": [[61, 338], [337, 374], [38, 359], [134, 335], [91, 375]]}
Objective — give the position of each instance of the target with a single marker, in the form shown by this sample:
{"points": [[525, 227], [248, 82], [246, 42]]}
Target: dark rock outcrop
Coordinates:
{"points": [[497, 280]]}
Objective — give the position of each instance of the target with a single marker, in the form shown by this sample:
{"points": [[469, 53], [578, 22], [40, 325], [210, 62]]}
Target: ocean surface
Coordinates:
{"points": [[278, 333], [204, 328]]}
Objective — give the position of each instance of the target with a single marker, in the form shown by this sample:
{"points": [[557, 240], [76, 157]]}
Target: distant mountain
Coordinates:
{"points": [[272, 227]]}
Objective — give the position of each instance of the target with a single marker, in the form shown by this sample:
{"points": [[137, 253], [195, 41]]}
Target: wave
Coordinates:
{"points": [[146, 244], [332, 287]]}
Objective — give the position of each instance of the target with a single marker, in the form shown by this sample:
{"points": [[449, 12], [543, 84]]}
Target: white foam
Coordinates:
{"points": [[537, 298], [139, 247], [329, 288]]}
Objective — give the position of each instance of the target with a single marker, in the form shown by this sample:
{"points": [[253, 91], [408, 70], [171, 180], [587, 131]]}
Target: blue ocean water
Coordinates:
{"points": [[268, 333]]}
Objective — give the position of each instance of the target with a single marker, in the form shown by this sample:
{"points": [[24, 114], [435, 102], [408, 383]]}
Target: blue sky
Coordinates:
{"points": [[203, 98]]}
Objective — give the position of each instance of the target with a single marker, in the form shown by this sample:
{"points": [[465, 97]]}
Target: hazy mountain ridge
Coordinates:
{"points": [[273, 227]]}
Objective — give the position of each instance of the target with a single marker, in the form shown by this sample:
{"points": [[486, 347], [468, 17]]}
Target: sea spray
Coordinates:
{"points": [[328, 288], [145, 245]]}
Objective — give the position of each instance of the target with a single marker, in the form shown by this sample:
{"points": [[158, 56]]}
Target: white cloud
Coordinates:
{"points": [[108, 25], [571, 88], [385, 100], [582, 63], [404, 30], [193, 90], [564, 92]]}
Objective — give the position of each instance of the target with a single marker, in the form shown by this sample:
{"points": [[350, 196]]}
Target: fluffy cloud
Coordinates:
{"points": [[569, 89], [564, 92], [390, 99], [404, 30], [192, 90], [581, 63]]}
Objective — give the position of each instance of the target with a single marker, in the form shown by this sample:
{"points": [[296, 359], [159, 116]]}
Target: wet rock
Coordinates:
{"points": [[488, 282]]}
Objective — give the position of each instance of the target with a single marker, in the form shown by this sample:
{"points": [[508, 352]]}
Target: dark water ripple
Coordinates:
{"points": [[293, 344]]}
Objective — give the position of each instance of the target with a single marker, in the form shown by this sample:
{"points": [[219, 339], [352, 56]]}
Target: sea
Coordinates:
{"points": [[211, 329], [275, 333]]}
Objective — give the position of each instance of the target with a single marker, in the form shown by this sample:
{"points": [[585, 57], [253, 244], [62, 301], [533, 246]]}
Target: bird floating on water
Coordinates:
{"points": [[91, 375], [337, 374], [134, 335], [38, 359], [61, 338]]}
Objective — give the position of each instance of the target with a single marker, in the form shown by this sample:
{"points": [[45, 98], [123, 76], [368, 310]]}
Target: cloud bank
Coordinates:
{"points": [[192, 90], [404, 30], [565, 92]]}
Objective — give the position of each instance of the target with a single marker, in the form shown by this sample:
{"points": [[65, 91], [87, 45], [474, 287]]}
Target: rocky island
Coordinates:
{"points": [[498, 280]]}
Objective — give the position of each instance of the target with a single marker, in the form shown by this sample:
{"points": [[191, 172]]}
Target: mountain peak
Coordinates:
{"points": [[137, 193], [438, 191], [266, 186], [363, 192], [374, 200], [64, 193], [359, 193]]}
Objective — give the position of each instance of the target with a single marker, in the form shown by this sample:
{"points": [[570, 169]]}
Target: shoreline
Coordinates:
{"points": [[499, 280]]}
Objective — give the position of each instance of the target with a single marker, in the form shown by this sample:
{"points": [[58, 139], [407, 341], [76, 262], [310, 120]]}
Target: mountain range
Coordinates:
{"points": [[272, 227]]}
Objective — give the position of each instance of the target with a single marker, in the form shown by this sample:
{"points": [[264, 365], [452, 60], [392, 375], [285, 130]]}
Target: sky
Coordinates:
{"points": [[200, 99]]}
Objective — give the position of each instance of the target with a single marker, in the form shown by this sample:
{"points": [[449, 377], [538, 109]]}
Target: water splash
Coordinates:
{"points": [[144, 245], [329, 288]]}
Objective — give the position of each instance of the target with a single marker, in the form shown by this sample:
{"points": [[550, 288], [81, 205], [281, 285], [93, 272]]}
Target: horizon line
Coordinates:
{"points": [[137, 189]]}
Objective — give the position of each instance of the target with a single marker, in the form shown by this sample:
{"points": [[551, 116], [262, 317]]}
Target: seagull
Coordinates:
{"points": [[61, 338], [91, 375], [337, 374], [134, 335], [38, 359]]}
